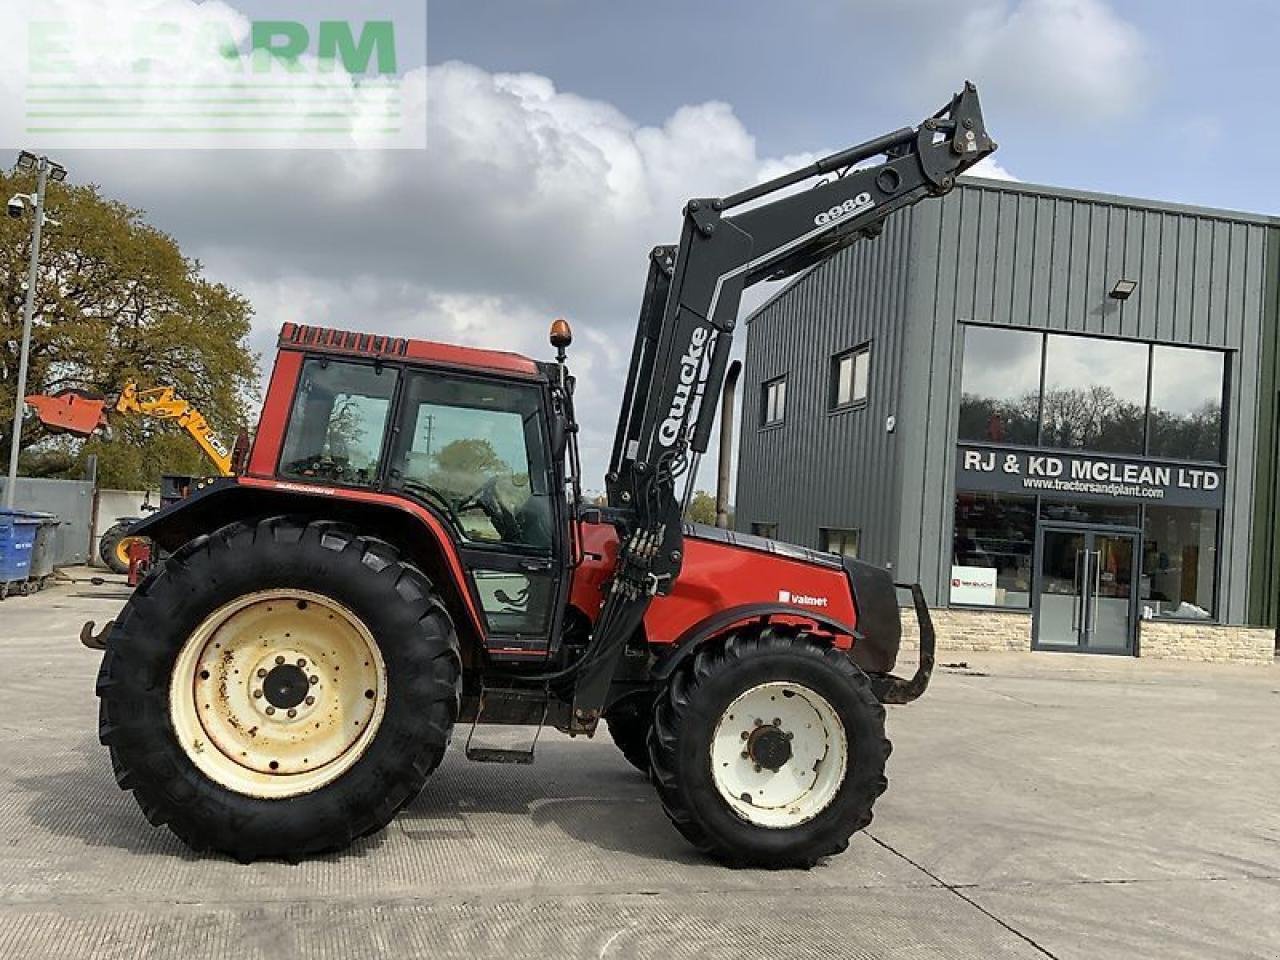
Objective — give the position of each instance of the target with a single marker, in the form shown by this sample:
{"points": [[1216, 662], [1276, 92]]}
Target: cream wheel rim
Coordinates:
{"points": [[277, 693], [779, 755]]}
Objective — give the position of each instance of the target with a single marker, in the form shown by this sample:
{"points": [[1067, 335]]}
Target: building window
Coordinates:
{"points": [[1086, 393], [1186, 403], [773, 401], [1095, 394], [1000, 385], [768, 530], [992, 550], [850, 377], [843, 542], [1179, 563]]}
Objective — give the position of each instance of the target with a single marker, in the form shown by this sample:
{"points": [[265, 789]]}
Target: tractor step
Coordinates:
{"points": [[507, 707], [498, 755]]}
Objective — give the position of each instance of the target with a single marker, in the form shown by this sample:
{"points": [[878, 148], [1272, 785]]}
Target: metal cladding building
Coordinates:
{"points": [[1058, 411]]}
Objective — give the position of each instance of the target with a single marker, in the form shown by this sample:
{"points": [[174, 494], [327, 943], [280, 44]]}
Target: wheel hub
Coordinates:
{"points": [[277, 693], [285, 685], [769, 747]]}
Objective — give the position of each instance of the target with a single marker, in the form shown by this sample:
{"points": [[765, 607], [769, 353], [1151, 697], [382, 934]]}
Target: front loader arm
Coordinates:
{"points": [[685, 332]]}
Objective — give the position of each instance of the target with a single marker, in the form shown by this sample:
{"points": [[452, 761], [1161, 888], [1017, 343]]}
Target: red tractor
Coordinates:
{"points": [[407, 550]]}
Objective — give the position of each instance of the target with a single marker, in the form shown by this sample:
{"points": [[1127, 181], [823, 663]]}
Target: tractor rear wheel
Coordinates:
{"points": [[279, 690], [113, 547], [768, 749]]}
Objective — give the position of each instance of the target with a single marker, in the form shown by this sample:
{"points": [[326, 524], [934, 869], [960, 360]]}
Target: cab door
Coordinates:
{"points": [[476, 451]]}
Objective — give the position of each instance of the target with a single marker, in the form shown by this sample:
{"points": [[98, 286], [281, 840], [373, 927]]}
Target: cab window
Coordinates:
{"points": [[338, 423], [475, 450]]}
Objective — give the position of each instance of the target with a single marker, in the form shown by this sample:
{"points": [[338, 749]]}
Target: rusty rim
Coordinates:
{"points": [[277, 693]]}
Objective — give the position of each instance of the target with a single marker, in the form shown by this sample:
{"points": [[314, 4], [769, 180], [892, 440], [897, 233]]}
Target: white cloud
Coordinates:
{"points": [[990, 169], [1049, 59], [1048, 56]]}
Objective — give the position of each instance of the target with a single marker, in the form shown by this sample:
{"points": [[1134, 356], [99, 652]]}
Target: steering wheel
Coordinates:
{"points": [[486, 498]]}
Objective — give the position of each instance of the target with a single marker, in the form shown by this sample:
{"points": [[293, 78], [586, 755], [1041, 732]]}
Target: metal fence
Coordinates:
{"points": [[72, 502]]}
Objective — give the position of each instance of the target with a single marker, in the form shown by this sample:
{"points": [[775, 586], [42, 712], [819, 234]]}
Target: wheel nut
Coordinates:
{"points": [[261, 672], [257, 694], [302, 662], [310, 701], [292, 713], [757, 768], [746, 735], [279, 661], [745, 755], [271, 711], [314, 679], [777, 722], [759, 722]]}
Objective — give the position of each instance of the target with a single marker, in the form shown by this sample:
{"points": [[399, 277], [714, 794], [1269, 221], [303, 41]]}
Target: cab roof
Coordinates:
{"points": [[297, 336]]}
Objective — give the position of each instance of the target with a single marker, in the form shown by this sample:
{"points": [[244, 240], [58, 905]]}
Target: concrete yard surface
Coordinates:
{"points": [[1040, 805]]}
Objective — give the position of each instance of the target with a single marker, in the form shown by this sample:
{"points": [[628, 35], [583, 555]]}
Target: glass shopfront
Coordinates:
{"points": [[1089, 484]]}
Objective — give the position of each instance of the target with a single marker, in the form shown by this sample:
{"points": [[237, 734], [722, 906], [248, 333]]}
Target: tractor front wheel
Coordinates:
{"points": [[768, 749], [279, 690]]}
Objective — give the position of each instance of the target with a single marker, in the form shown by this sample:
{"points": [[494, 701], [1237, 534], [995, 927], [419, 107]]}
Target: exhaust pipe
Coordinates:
{"points": [[726, 444]]}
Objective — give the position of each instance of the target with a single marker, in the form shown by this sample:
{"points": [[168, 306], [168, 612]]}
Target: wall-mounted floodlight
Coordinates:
{"points": [[57, 172], [27, 161], [1123, 289]]}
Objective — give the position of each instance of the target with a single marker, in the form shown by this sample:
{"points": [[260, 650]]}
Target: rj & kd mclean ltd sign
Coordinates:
{"points": [[1082, 476]]}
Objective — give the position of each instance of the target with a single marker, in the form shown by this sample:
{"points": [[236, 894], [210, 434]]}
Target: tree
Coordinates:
{"points": [[116, 300], [461, 466], [702, 509]]}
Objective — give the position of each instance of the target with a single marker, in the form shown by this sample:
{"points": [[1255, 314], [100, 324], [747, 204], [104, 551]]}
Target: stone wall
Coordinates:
{"points": [[1206, 641], [972, 630], [1001, 630]]}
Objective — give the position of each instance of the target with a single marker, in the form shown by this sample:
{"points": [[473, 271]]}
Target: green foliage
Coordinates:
{"points": [[461, 466], [116, 300], [702, 509]]}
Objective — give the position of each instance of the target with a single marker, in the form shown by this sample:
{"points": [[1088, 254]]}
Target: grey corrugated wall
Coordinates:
{"points": [[1046, 259], [1006, 254], [821, 469]]}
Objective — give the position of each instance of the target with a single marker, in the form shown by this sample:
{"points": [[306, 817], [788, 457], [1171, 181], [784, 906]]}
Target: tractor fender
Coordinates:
{"points": [[414, 530], [692, 639]]}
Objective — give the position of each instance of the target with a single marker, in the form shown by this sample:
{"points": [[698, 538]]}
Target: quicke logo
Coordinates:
{"points": [[690, 364]]}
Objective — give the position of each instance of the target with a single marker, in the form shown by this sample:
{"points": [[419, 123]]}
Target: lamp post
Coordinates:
{"points": [[46, 170]]}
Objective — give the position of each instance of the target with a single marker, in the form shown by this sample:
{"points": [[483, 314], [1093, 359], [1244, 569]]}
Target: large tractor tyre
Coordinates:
{"points": [[768, 749], [113, 547], [279, 690], [629, 723]]}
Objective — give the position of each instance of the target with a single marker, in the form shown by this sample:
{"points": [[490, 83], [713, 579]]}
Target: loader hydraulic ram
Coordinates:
{"points": [[406, 548]]}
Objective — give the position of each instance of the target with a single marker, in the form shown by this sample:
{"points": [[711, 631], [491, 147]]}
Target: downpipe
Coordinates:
{"points": [[724, 467]]}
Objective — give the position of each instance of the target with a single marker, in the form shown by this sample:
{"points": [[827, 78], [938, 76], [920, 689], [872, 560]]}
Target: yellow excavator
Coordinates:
{"points": [[83, 413]]}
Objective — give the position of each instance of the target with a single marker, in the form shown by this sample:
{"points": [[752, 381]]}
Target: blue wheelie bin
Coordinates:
{"points": [[17, 537]]}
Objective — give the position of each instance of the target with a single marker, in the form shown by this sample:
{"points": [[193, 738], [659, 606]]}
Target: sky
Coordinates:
{"points": [[562, 137]]}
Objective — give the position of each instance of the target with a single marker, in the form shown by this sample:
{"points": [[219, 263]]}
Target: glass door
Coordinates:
{"points": [[1085, 597], [1060, 594]]}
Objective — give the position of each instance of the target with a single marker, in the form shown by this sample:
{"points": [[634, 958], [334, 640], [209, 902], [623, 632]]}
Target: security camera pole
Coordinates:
{"points": [[25, 162]]}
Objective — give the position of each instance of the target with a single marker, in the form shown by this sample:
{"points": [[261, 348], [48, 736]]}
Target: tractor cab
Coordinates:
{"points": [[473, 438]]}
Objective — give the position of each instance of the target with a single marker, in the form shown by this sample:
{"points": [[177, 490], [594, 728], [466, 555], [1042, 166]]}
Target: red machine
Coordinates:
{"points": [[407, 548]]}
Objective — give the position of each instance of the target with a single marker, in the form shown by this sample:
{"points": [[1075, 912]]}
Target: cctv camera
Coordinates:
{"points": [[17, 206]]}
